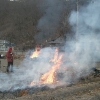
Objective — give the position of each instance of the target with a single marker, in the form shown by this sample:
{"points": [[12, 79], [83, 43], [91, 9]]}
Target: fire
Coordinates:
{"points": [[49, 77], [55, 59], [32, 83], [36, 52]]}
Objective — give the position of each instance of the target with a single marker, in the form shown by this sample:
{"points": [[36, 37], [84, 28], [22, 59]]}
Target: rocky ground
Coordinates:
{"points": [[84, 89]]}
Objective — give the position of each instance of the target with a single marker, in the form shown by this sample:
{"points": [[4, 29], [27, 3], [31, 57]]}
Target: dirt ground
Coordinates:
{"points": [[3, 64], [85, 89]]}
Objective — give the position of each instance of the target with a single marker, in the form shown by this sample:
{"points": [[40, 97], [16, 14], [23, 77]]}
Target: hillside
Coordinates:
{"points": [[20, 20]]}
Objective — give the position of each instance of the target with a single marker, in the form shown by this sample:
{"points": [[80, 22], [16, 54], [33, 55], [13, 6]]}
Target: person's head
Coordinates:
{"points": [[10, 49]]}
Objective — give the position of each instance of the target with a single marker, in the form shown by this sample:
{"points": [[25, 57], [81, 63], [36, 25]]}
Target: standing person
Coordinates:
{"points": [[9, 56]]}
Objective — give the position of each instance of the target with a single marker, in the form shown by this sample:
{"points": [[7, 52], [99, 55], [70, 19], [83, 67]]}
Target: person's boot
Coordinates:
{"points": [[7, 71]]}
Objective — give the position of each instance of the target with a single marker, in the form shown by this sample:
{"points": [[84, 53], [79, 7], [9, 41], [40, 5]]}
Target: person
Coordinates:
{"points": [[9, 56]]}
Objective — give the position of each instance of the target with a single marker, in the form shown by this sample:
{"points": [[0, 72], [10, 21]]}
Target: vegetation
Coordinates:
{"points": [[19, 19]]}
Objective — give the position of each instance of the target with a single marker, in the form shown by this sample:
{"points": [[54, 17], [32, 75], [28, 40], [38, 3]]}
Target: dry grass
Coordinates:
{"points": [[86, 89]]}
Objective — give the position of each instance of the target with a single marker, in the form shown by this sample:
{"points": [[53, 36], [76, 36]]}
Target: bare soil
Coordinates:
{"points": [[3, 64], [84, 89]]}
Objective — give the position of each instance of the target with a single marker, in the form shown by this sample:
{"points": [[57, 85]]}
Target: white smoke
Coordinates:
{"points": [[29, 70], [85, 48], [80, 54]]}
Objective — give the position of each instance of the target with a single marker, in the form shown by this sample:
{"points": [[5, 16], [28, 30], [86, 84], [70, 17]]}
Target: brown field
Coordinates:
{"points": [[84, 89]]}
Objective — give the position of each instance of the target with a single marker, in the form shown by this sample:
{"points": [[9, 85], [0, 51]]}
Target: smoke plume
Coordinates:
{"points": [[50, 21], [80, 54], [84, 50]]}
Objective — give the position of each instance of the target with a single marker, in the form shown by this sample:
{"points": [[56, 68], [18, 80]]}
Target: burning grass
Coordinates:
{"points": [[43, 89], [58, 74], [22, 92], [45, 93], [49, 77]]}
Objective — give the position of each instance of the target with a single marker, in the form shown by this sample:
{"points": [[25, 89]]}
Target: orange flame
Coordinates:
{"points": [[32, 83], [55, 59], [35, 53], [49, 77]]}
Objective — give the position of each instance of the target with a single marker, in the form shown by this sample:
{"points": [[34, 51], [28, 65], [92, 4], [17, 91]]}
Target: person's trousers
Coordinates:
{"points": [[10, 64]]}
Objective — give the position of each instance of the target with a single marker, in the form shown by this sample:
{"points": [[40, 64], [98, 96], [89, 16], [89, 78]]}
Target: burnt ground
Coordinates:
{"points": [[84, 89]]}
